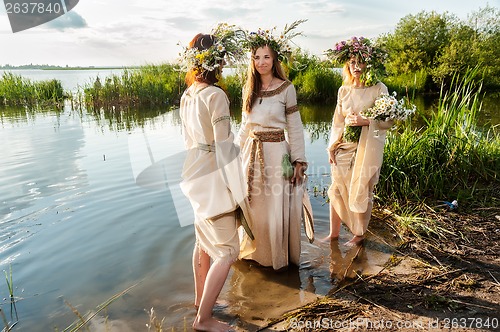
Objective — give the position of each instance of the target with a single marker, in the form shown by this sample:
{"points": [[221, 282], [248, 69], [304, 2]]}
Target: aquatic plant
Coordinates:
{"points": [[16, 90], [450, 156], [146, 86]]}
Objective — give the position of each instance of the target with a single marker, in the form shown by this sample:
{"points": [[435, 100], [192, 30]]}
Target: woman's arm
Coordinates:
{"points": [[295, 131]]}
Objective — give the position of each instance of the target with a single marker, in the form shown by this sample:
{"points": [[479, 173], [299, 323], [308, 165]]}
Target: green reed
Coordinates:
{"points": [[408, 84], [147, 86], [449, 157], [317, 83], [13, 309], [233, 85], [84, 319], [16, 90]]}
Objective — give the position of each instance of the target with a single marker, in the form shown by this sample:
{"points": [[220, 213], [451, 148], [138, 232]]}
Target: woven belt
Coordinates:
{"points": [[257, 150]]}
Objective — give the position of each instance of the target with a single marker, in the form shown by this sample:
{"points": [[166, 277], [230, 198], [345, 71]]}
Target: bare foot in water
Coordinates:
{"points": [[211, 325], [355, 241]]}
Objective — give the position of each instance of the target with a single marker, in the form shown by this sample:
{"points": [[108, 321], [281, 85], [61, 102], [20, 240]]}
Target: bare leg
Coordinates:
{"points": [[201, 264], [216, 277], [359, 227], [335, 223]]}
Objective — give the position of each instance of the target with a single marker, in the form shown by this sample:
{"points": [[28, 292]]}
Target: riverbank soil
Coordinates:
{"points": [[447, 280]]}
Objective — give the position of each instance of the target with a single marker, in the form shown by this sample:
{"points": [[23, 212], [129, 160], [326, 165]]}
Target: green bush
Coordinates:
{"points": [[408, 84]]}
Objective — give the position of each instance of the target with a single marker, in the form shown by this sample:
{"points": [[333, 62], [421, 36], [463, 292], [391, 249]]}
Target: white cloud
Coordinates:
{"points": [[70, 20], [128, 32], [321, 7]]}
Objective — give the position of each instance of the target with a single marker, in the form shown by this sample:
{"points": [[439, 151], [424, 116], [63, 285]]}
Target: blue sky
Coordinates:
{"points": [[136, 32]]}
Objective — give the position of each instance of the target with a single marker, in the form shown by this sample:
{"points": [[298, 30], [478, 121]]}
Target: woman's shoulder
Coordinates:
{"points": [[213, 91], [343, 90], [283, 86], [381, 87]]}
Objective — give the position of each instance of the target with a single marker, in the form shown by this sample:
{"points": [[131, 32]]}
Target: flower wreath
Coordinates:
{"points": [[228, 44], [279, 43], [363, 49]]}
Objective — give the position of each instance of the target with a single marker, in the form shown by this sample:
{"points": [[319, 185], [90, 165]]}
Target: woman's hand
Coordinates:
{"points": [[352, 119], [298, 173], [332, 160]]}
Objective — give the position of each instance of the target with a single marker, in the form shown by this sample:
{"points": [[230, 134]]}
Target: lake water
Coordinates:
{"points": [[88, 209]]}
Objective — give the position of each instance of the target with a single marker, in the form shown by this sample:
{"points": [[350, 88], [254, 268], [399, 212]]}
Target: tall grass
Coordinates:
{"points": [[408, 84], [233, 85], [16, 90], [315, 80], [147, 86], [317, 83], [450, 157]]}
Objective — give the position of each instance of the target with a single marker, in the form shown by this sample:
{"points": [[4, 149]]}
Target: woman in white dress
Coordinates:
{"points": [[269, 109], [356, 145], [204, 110]]}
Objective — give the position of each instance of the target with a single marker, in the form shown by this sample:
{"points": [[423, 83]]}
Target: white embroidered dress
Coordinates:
{"points": [[204, 111], [358, 164], [276, 205]]}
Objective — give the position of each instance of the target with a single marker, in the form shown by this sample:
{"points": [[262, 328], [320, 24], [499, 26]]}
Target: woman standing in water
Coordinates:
{"points": [[275, 162], [356, 145], [204, 110]]}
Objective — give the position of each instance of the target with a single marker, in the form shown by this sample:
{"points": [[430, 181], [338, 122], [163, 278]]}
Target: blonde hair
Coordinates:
{"points": [[348, 78], [253, 85]]}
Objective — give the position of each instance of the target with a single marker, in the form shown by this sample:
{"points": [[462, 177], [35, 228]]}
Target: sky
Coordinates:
{"points": [[139, 32]]}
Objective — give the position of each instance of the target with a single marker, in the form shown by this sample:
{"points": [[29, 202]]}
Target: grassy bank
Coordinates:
{"points": [[451, 157]]}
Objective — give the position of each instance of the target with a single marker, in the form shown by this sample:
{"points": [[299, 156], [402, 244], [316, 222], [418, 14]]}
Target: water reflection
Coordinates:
{"points": [[346, 266], [125, 119], [257, 294], [15, 114]]}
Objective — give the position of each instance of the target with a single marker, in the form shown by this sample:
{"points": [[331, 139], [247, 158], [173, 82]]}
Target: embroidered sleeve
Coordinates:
{"points": [[291, 109], [294, 126], [221, 118]]}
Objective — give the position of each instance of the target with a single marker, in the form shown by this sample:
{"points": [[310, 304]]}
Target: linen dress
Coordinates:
{"points": [[358, 164], [204, 110], [275, 204]]}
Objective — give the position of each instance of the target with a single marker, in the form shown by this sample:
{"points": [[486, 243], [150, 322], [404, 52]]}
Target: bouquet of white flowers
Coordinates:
{"points": [[387, 107]]}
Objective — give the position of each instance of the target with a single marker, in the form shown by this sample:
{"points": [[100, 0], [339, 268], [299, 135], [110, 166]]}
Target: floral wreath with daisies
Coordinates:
{"points": [[228, 44], [281, 43], [363, 49]]}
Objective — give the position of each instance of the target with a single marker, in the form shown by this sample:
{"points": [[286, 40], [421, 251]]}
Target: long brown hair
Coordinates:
{"points": [[253, 84], [199, 74]]}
